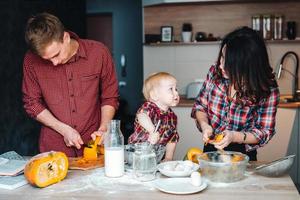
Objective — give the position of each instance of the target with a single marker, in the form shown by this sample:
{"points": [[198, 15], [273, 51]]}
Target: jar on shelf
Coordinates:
{"points": [[278, 22], [267, 27], [257, 23]]}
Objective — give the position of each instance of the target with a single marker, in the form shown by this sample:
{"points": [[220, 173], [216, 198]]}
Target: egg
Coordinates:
{"points": [[196, 179]]}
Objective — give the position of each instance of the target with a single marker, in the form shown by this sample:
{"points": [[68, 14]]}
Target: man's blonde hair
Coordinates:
{"points": [[153, 81], [41, 30]]}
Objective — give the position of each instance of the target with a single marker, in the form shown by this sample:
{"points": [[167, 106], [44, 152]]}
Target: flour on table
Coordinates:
{"points": [[96, 180]]}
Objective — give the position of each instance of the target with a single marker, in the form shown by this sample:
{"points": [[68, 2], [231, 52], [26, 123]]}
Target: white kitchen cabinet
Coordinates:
{"points": [[188, 132]]}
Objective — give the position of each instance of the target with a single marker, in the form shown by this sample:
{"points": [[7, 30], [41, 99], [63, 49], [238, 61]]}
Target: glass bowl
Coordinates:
{"points": [[130, 148], [223, 166]]}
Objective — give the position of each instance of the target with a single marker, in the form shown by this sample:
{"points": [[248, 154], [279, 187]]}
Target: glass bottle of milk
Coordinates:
{"points": [[114, 150]]}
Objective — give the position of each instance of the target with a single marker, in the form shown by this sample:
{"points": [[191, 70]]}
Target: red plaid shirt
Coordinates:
{"points": [[167, 129], [73, 92], [256, 118]]}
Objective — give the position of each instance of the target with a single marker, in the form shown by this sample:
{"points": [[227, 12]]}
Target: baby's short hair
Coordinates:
{"points": [[153, 81]]}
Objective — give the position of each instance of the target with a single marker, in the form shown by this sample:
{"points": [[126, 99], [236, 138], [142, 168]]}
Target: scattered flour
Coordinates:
{"points": [[96, 180]]}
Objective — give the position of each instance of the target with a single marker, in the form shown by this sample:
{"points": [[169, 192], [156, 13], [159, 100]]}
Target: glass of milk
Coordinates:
{"points": [[114, 150]]}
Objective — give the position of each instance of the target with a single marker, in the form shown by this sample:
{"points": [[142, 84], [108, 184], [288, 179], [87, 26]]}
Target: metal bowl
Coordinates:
{"points": [[130, 148], [223, 166], [276, 168]]}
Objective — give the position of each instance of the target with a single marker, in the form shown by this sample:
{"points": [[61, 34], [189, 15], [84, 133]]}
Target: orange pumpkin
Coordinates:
{"points": [[101, 149], [217, 138], [46, 168], [91, 151], [192, 154]]}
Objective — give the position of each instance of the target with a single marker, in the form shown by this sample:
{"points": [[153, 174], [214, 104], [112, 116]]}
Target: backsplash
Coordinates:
{"points": [[190, 62]]}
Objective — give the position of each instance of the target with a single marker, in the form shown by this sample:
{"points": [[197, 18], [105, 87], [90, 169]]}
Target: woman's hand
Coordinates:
{"points": [[227, 139], [207, 132]]}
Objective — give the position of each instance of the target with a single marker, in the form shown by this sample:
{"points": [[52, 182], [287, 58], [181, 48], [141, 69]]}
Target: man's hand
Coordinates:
{"points": [[227, 139], [71, 136], [100, 132], [153, 138]]}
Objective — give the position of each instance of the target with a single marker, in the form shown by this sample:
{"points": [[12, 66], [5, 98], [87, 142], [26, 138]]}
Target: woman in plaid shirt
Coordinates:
{"points": [[239, 97]]}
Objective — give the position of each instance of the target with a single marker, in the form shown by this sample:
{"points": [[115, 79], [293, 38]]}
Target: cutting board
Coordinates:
{"points": [[81, 164]]}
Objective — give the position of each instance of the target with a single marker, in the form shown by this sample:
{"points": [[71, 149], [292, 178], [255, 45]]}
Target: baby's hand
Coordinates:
{"points": [[153, 138]]}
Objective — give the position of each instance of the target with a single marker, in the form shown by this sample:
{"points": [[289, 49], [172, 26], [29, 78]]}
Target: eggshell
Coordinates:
{"points": [[196, 179], [179, 167], [188, 163], [169, 167], [187, 168]]}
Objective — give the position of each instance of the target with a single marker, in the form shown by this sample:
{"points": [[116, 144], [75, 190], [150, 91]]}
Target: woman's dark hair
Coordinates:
{"points": [[247, 64]]}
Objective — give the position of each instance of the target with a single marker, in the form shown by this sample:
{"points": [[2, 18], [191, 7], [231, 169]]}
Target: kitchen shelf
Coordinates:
{"points": [[284, 41]]}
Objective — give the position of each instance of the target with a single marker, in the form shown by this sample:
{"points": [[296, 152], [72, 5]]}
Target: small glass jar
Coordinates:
{"points": [[144, 162]]}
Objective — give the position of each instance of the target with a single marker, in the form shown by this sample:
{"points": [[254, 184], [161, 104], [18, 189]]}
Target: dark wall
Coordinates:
{"points": [[127, 28], [127, 39], [17, 131]]}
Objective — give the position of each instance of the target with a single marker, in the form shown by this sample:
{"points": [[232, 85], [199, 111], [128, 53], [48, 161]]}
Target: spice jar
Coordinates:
{"points": [[144, 162]]}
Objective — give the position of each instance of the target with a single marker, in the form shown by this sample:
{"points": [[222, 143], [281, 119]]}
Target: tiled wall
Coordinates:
{"points": [[190, 62]]}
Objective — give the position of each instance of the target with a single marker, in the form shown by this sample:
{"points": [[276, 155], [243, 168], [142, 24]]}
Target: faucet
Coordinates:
{"points": [[295, 74]]}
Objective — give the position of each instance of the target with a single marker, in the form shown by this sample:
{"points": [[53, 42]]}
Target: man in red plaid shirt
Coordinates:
{"points": [[239, 97], [69, 85]]}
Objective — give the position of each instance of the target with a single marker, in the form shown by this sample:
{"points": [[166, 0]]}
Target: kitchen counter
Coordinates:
{"points": [[184, 102], [92, 184]]}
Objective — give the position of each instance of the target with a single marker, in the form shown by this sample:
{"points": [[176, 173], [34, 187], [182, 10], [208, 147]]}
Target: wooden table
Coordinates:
{"points": [[92, 184]]}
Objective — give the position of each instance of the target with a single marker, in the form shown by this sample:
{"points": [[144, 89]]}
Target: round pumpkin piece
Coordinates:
{"points": [[46, 168], [219, 137], [192, 154]]}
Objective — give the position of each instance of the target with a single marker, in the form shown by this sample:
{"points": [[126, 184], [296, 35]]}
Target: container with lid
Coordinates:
{"points": [[257, 23], [267, 27], [278, 21]]}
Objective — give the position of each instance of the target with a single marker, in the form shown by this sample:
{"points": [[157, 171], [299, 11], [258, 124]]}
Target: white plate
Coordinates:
{"points": [[178, 186], [173, 173]]}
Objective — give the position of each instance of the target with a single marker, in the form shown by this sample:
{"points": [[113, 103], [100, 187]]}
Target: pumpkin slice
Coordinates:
{"points": [[91, 151], [217, 138], [192, 154], [46, 168]]}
